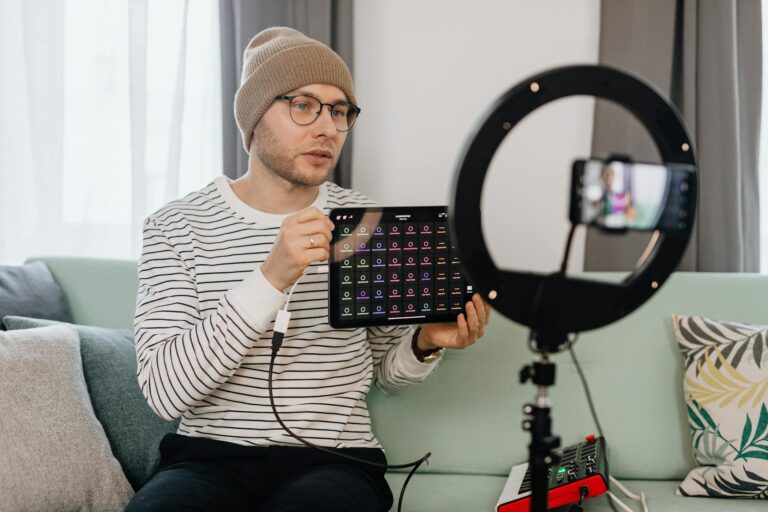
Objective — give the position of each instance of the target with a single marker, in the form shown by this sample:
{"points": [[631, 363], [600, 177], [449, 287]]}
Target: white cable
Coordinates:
{"points": [[619, 502], [283, 315], [320, 269], [629, 494]]}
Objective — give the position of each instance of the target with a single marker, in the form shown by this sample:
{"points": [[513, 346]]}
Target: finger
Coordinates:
{"points": [[313, 226], [310, 243], [480, 309], [318, 241], [311, 239], [318, 254], [313, 215], [473, 322], [307, 214], [463, 330]]}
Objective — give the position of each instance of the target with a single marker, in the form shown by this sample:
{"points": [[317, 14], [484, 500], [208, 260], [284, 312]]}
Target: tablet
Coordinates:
{"points": [[394, 265]]}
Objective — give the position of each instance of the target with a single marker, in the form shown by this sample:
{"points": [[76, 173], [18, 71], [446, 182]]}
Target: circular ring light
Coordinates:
{"points": [[555, 304]]}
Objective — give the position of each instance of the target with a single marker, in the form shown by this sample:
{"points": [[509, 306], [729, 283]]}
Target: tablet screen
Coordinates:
{"points": [[394, 265]]}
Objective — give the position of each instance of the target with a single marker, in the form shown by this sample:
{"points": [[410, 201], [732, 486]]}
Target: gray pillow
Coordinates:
{"points": [[29, 290], [109, 365], [53, 451]]}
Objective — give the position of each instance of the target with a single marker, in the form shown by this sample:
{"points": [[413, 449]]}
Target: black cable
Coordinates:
{"points": [[545, 281], [564, 263], [276, 342], [604, 446], [281, 326], [583, 493]]}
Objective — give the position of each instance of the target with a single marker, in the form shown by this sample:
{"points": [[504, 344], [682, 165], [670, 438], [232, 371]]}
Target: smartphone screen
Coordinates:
{"points": [[618, 196]]}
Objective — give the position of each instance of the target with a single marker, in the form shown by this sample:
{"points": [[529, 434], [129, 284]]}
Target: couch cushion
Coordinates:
{"points": [[29, 290], [109, 364], [53, 451], [434, 492], [726, 392]]}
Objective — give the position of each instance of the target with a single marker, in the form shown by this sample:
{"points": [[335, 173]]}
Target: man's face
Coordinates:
{"points": [[302, 155]]}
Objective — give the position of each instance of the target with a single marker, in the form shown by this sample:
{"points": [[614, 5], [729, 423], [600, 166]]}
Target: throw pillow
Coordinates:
{"points": [[29, 290], [726, 393], [109, 365], [53, 451]]}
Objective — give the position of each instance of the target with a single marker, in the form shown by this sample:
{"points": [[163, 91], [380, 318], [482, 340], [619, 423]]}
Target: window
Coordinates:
{"points": [[109, 110]]}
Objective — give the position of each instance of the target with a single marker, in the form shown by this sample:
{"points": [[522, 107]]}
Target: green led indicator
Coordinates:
{"points": [[561, 470]]}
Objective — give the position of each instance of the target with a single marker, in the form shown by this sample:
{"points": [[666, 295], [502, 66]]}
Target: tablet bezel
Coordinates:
{"points": [[376, 212]]}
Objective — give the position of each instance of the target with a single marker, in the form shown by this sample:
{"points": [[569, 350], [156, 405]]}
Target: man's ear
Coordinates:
{"points": [[253, 141]]}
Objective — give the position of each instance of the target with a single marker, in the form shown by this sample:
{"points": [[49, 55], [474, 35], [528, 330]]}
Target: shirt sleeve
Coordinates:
{"points": [[181, 356], [394, 364]]}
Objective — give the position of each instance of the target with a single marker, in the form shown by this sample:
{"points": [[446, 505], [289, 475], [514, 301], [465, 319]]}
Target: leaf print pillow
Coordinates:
{"points": [[726, 394]]}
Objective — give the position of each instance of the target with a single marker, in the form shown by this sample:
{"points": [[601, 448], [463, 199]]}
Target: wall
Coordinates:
{"points": [[425, 73]]}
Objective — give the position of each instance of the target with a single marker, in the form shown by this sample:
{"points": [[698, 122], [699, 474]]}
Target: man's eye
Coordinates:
{"points": [[338, 113], [302, 106]]}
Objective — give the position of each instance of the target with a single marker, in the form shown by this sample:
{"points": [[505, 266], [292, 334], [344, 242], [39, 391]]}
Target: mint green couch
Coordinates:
{"points": [[468, 413]]}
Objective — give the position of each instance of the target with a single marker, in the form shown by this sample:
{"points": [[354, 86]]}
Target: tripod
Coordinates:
{"points": [[541, 454]]}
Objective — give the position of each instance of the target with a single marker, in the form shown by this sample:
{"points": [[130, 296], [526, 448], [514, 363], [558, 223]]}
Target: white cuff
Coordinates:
{"points": [[257, 299], [405, 361]]}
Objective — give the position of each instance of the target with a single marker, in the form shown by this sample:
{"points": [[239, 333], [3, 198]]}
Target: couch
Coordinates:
{"points": [[468, 413]]}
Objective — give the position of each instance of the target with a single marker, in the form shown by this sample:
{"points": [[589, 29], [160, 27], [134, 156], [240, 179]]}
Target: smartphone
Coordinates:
{"points": [[617, 196]]}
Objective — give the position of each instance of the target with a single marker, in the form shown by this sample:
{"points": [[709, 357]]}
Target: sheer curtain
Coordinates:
{"points": [[763, 179], [108, 110]]}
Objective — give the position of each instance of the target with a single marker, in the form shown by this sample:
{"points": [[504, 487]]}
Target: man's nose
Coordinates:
{"points": [[325, 121]]}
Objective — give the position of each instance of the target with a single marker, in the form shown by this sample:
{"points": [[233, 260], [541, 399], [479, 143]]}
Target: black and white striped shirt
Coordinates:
{"points": [[203, 327]]}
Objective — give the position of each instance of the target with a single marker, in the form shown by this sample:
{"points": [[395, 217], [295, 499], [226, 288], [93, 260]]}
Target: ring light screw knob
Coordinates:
{"points": [[526, 373]]}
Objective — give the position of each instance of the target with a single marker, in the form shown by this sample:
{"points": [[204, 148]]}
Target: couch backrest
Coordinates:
{"points": [[468, 413], [98, 292]]}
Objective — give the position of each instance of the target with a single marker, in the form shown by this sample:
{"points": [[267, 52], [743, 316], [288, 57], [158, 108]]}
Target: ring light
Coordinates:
{"points": [[572, 304]]}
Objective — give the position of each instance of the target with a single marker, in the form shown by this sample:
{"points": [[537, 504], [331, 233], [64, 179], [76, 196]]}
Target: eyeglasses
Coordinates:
{"points": [[306, 109]]}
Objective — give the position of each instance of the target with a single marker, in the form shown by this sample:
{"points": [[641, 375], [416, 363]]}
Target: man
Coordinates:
{"points": [[214, 270]]}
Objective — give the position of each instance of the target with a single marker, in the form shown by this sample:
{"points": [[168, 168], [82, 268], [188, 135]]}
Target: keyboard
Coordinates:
{"points": [[581, 465]]}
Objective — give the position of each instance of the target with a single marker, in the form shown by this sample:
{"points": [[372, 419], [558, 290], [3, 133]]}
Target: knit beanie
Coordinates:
{"points": [[279, 60]]}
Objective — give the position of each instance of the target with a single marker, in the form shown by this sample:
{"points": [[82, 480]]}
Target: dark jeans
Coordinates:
{"points": [[198, 474]]}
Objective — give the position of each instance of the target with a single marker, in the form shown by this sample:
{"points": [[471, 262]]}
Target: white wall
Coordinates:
{"points": [[425, 73]]}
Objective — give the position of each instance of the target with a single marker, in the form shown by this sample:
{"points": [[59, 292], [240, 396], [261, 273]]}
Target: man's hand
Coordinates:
{"points": [[460, 334], [304, 237]]}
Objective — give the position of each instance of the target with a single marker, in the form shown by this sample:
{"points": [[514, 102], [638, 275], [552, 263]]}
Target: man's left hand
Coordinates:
{"points": [[460, 334]]}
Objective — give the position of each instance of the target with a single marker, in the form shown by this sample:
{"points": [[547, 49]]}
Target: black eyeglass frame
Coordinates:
{"points": [[354, 107]]}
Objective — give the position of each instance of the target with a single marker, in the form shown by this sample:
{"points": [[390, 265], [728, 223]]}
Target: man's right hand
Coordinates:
{"points": [[304, 237]]}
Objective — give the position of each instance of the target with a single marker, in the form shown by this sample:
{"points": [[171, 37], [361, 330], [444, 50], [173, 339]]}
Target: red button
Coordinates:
{"points": [[590, 438]]}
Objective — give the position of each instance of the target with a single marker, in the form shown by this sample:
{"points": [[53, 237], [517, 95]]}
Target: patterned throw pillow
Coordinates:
{"points": [[726, 393]]}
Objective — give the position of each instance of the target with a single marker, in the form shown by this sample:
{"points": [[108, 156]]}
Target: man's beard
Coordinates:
{"points": [[275, 158]]}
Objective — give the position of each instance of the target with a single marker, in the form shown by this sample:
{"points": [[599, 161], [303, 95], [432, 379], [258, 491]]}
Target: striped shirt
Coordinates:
{"points": [[203, 326]]}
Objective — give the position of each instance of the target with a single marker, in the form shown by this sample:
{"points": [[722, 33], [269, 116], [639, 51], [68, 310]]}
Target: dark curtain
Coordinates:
{"points": [[706, 56], [328, 21]]}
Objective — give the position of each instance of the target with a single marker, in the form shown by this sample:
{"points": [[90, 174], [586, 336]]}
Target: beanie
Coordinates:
{"points": [[279, 60]]}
